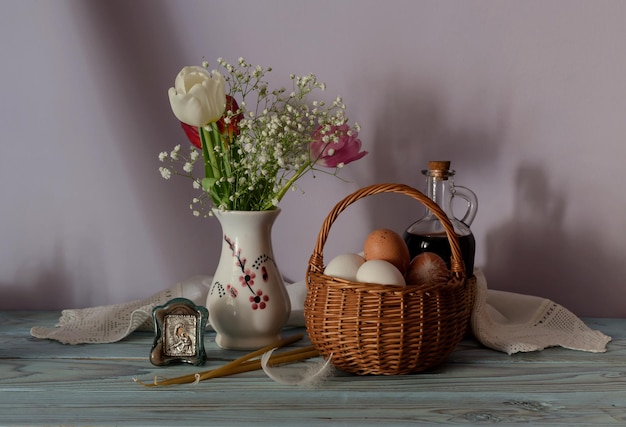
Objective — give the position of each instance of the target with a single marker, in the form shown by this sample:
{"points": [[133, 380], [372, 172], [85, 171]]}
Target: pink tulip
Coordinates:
{"points": [[337, 147]]}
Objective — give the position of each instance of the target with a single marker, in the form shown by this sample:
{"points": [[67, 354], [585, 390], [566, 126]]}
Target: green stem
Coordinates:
{"points": [[210, 166], [268, 204], [210, 162], [218, 140]]}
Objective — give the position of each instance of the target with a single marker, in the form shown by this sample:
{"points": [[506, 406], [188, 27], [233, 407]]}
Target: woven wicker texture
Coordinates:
{"points": [[383, 329]]}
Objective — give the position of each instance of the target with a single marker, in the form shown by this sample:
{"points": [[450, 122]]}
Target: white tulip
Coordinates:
{"points": [[198, 97]]}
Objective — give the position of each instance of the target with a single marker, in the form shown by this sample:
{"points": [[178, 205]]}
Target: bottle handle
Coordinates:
{"points": [[472, 203]]}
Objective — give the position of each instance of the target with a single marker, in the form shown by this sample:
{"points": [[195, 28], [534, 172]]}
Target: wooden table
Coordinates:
{"points": [[47, 383]]}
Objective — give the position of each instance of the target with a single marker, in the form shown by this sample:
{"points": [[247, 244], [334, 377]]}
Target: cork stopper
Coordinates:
{"points": [[439, 170], [439, 166]]}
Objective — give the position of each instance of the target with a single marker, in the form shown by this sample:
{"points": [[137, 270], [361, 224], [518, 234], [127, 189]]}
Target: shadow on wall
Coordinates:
{"points": [[142, 60], [532, 253], [412, 129], [33, 289]]}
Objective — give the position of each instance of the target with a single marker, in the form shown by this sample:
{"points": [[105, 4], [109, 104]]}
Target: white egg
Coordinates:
{"points": [[344, 266], [381, 272]]}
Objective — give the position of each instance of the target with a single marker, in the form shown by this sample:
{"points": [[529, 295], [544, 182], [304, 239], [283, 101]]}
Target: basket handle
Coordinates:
{"points": [[456, 264]]}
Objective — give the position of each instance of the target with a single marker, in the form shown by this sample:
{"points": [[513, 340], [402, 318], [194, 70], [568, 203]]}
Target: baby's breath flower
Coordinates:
{"points": [[174, 153], [165, 172]]}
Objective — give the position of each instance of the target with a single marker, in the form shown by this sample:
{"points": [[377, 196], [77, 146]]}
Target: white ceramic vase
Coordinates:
{"points": [[248, 303]]}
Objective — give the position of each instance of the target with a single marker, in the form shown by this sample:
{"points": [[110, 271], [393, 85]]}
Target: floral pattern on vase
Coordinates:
{"points": [[248, 303]]}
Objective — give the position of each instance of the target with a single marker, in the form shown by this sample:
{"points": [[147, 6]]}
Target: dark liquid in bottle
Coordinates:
{"points": [[438, 243]]}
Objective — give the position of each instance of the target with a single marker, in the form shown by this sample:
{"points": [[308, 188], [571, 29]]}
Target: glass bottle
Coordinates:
{"points": [[427, 234]]}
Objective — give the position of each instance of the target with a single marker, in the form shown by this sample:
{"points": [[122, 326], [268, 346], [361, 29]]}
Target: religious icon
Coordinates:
{"points": [[179, 327], [178, 342]]}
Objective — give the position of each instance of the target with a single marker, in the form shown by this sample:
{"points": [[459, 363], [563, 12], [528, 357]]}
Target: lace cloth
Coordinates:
{"points": [[512, 323], [111, 323], [502, 321]]}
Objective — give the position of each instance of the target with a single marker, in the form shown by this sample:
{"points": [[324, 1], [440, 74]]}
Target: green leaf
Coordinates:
{"points": [[208, 183]]}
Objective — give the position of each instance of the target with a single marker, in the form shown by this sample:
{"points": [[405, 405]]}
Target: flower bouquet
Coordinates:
{"points": [[254, 142]]}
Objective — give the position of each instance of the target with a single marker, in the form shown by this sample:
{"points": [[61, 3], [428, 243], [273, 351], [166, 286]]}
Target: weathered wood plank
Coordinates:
{"points": [[243, 401], [592, 397], [47, 383]]}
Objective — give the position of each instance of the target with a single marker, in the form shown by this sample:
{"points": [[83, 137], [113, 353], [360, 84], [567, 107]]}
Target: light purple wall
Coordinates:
{"points": [[527, 98]]}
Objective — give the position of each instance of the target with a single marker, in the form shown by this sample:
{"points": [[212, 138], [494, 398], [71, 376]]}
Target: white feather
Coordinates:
{"points": [[310, 375]]}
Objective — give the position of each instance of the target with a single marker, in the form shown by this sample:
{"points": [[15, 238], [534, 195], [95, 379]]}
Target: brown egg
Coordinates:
{"points": [[389, 246], [427, 269]]}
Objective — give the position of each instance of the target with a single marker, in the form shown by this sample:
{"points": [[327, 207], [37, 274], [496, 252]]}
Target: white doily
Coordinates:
{"points": [[513, 323], [111, 323], [503, 321]]}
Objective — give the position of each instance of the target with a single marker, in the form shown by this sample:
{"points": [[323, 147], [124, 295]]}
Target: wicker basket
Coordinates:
{"points": [[383, 329]]}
